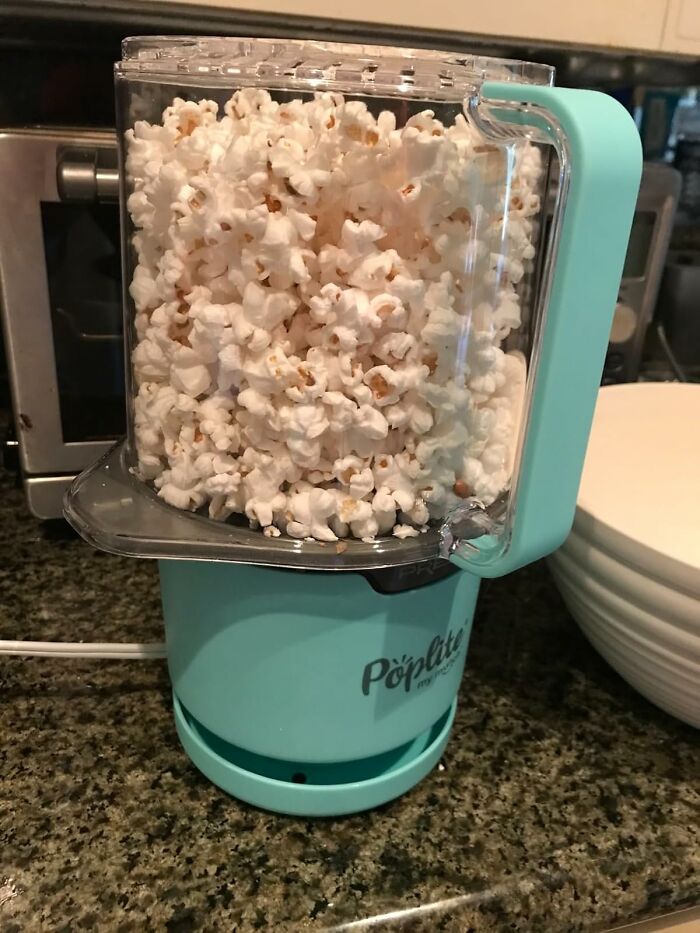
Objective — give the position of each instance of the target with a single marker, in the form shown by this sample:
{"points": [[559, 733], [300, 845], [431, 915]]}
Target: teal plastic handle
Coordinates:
{"points": [[599, 148]]}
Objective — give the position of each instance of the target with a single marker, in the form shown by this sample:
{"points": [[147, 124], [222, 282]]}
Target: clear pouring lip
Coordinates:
{"points": [[291, 63], [116, 512]]}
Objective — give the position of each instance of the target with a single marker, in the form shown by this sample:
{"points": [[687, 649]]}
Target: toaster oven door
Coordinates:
{"points": [[60, 291]]}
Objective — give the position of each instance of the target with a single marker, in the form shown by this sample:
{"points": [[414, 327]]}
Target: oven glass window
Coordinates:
{"points": [[81, 243]]}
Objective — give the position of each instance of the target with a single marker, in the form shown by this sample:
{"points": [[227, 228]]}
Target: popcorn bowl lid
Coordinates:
{"points": [[316, 65]]}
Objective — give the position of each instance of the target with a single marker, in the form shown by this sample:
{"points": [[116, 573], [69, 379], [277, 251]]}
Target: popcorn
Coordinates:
{"points": [[405, 531], [311, 508], [321, 300], [188, 374]]}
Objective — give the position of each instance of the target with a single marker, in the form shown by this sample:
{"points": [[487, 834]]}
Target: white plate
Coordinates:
{"points": [[663, 677], [648, 634], [640, 490], [638, 589]]}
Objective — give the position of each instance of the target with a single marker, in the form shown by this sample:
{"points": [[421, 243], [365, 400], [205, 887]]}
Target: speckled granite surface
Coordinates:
{"points": [[566, 802]]}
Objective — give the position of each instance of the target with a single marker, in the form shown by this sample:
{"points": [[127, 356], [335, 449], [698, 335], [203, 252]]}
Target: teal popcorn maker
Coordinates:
{"points": [[362, 372]]}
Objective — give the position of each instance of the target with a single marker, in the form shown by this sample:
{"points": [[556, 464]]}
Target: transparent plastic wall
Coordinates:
{"points": [[330, 276]]}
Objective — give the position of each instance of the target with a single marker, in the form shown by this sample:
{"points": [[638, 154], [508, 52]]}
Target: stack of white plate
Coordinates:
{"points": [[630, 570]]}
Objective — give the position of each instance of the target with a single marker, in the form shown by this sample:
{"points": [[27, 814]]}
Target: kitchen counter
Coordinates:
{"points": [[564, 801]]}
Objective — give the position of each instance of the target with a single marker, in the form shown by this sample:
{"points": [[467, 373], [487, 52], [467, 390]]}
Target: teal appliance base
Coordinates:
{"points": [[303, 789], [312, 693]]}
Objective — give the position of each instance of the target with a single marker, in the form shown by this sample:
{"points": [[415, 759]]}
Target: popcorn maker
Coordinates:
{"points": [[355, 367]]}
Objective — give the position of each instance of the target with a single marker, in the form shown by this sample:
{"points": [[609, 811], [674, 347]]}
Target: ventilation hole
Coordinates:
{"points": [[298, 777]]}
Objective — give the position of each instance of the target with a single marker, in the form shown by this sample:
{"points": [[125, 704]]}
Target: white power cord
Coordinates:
{"points": [[87, 649]]}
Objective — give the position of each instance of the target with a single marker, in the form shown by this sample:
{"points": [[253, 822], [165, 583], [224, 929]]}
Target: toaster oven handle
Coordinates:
{"points": [[88, 174]]}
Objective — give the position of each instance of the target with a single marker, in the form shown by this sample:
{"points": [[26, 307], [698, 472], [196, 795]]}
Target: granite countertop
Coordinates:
{"points": [[564, 802]]}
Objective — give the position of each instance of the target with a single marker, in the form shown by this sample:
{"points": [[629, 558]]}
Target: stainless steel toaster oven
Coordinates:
{"points": [[60, 292]]}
